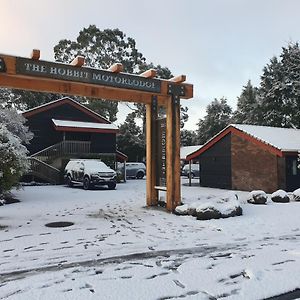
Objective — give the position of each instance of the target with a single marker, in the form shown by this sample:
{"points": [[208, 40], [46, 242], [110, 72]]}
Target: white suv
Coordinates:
{"points": [[89, 172]]}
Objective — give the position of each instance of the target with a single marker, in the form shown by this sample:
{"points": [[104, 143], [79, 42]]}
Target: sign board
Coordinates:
{"points": [[45, 69], [161, 153]]}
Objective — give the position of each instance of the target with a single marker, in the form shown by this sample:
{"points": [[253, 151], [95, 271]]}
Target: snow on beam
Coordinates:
{"points": [[151, 73], [178, 79], [78, 61], [35, 54], [116, 68]]}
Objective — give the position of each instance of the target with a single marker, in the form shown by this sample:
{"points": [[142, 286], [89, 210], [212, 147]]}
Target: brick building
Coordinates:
{"points": [[248, 157]]}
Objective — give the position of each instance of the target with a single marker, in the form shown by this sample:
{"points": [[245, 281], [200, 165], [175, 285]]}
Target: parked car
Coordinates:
{"points": [[135, 170], [89, 173], [195, 170]]}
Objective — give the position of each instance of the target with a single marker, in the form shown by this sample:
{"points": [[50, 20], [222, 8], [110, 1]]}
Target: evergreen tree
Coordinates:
{"points": [[15, 124], [188, 137], [247, 111], [270, 97], [23, 100], [130, 139], [279, 92], [101, 49], [218, 116], [13, 162]]}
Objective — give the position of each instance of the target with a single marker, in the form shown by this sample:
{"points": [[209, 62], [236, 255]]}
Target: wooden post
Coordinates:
{"points": [[173, 153], [151, 152]]}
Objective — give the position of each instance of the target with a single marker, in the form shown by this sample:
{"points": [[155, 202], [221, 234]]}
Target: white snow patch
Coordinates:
{"points": [[254, 256]]}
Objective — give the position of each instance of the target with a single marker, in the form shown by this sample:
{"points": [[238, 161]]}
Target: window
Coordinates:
{"points": [[294, 167]]}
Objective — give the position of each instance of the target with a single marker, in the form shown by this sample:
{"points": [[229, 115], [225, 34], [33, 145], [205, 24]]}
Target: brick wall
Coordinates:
{"points": [[253, 168]]}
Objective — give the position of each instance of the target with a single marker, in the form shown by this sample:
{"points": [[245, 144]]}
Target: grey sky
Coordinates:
{"points": [[218, 44]]}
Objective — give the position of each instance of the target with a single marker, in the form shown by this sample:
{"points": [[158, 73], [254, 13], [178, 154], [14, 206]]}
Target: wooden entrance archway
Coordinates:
{"points": [[75, 79]]}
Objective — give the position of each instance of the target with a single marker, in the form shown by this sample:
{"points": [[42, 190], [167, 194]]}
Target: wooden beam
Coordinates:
{"points": [[78, 61], [12, 80], [178, 79], [187, 87], [116, 68], [151, 73], [35, 54], [74, 88]]}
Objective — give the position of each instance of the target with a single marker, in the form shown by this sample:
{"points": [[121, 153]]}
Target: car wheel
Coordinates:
{"points": [[112, 186], [69, 181], [86, 183], [192, 175], [139, 175]]}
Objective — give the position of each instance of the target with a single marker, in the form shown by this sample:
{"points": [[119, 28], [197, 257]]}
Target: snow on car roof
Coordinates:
{"points": [[77, 124], [284, 139]]}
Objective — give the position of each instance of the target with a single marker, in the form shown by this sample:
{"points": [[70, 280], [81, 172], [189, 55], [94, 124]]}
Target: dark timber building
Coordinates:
{"points": [[248, 157], [64, 129]]}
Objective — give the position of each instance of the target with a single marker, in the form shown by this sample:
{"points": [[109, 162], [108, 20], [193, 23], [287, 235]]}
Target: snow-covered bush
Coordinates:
{"points": [[14, 123], [296, 195], [280, 196], [257, 197], [13, 154], [13, 159], [223, 206]]}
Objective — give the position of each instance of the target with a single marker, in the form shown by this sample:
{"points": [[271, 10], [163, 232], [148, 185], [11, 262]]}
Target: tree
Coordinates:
{"points": [[218, 116], [247, 111], [15, 124], [188, 137], [13, 134], [23, 100], [130, 139], [101, 49], [279, 92]]}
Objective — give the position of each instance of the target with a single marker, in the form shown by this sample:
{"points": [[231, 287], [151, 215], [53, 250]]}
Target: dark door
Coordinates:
{"points": [[292, 173]]}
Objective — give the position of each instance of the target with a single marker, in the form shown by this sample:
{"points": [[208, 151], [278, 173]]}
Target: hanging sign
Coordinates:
{"points": [[60, 71]]}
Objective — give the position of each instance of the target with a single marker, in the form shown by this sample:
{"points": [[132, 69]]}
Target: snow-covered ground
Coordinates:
{"points": [[120, 249]]}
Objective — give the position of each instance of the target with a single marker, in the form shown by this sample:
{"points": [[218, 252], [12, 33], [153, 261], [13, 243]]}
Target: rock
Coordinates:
{"points": [[192, 209], [257, 197], [208, 213], [238, 211], [223, 206], [212, 207], [182, 210], [296, 195], [280, 196]]}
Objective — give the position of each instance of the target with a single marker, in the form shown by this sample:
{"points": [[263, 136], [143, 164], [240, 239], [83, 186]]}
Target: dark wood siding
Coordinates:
{"points": [[292, 173], [215, 164], [45, 134], [103, 143]]}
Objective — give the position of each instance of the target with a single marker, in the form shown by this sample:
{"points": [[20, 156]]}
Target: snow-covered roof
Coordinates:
{"points": [[90, 125], [187, 150], [284, 139]]}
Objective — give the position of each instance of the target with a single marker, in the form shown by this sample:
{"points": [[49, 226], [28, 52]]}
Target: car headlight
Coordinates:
{"points": [[95, 175]]}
